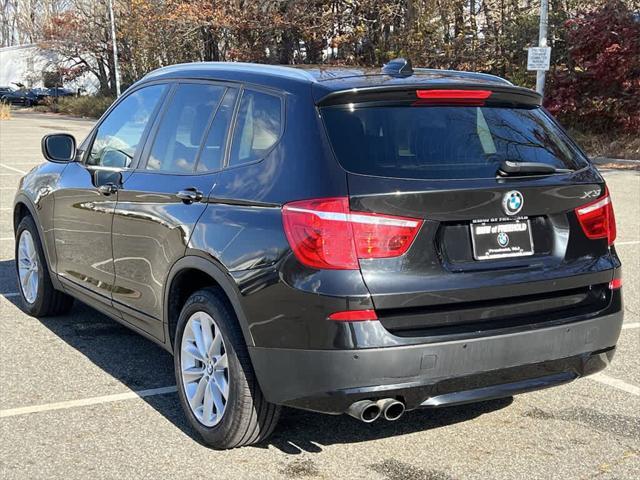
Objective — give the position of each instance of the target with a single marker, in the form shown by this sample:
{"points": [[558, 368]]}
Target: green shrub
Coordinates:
{"points": [[88, 106]]}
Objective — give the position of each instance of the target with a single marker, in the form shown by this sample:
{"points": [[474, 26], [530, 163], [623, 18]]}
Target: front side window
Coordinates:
{"points": [[183, 127], [258, 126], [118, 136]]}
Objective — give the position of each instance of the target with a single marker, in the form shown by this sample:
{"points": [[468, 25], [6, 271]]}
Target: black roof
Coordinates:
{"points": [[339, 77], [328, 80]]}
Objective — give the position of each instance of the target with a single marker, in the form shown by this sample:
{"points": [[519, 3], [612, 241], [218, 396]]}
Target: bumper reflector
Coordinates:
{"points": [[354, 315]]}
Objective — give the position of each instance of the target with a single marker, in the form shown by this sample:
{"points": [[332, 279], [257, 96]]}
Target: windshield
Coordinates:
{"points": [[444, 142]]}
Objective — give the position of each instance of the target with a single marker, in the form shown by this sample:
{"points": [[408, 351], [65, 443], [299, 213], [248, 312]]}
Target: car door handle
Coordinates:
{"points": [[189, 195], [108, 189]]}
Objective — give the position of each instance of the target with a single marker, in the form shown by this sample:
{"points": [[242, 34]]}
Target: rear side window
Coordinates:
{"points": [[183, 126], [442, 142], [213, 150], [258, 126]]}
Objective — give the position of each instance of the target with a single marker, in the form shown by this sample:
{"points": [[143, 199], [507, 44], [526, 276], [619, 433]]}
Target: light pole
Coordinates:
{"points": [[115, 48], [542, 42]]}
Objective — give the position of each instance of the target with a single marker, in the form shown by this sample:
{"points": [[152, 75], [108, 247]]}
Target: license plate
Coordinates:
{"points": [[501, 239]]}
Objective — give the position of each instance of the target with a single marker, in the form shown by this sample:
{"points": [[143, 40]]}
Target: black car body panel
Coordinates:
{"points": [[450, 328]]}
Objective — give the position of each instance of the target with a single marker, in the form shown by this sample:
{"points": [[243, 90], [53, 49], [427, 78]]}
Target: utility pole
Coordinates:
{"points": [[115, 48], [542, 42]]}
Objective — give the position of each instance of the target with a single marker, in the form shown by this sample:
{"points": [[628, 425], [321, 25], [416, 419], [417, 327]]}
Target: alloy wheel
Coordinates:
{"points": [[204, 368], [28, 266]]}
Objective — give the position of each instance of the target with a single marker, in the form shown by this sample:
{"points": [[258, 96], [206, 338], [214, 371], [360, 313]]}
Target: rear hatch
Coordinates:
{"points": [[497, 185]]}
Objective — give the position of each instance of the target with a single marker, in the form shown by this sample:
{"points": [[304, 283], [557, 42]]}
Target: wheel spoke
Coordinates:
{"points": [[207, 406], [196, 328], [198, 395], [222, 384], [191, 350], [221, 363], [192, 374], [33, 284], [215, 349], [218, 397], [207, 334], [25, 281]]}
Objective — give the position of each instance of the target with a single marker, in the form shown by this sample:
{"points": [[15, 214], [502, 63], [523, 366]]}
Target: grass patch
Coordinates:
{"points": [[5, 111], [88, 106]]}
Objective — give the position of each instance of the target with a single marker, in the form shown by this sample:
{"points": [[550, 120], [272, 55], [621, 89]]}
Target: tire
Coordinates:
{"points": [[44, 299], [246, 417]]}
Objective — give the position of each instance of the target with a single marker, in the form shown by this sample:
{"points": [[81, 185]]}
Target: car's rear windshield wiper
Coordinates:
{"points": [[508, 168]]}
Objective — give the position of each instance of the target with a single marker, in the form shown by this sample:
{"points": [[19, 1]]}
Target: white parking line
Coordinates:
{"points": [[625, 326], [633, 242], [12, 412], [4, 239], [616, 383], [12, 169]]}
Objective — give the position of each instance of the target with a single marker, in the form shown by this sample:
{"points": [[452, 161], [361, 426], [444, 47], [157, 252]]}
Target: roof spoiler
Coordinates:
{"points": [[504, 95]]}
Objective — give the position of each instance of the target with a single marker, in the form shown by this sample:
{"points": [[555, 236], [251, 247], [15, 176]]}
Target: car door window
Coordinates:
{"points": [[212, 154], [118, 137], [183, 126], [257, 128]]}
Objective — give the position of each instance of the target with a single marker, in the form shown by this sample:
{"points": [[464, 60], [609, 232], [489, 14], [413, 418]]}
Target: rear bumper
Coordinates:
{"points": [[438, 374]]}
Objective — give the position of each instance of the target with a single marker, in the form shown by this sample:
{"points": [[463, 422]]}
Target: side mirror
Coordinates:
{"points": [[59, 147]]}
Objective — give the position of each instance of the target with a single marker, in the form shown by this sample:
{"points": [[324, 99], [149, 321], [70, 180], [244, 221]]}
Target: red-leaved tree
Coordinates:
{"points": [[599, 88]]}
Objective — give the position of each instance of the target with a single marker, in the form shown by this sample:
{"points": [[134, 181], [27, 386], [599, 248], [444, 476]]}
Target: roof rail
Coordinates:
{"points": [[400, 67]]}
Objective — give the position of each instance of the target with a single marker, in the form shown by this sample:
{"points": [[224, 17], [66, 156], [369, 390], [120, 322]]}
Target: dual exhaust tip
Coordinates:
{"points": [[369, 411]]}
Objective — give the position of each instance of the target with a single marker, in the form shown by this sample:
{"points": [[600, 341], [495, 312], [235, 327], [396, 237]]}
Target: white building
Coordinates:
{"points": [[29, 65]]}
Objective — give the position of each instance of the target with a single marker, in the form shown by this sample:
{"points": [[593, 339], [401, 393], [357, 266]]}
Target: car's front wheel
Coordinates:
{"points": [[216, 382], [39, 297]]}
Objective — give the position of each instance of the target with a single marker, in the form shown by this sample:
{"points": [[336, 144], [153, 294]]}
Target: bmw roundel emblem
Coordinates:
{"points": [[512, 202], [503, 239]]}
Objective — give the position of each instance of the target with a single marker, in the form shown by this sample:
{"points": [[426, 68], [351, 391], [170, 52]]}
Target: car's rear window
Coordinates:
{"points": [[444, 142]]}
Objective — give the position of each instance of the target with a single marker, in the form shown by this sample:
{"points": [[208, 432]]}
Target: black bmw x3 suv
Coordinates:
{"points": [[340, 240]]}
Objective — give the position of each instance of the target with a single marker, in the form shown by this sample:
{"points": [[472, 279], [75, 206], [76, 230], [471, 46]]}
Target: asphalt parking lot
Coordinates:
{"points": [[82, 396]]}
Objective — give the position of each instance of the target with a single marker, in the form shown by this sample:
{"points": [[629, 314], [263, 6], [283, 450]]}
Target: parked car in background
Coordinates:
{"points": [[4, 90], [337, 240], [40, 93], [57, 92], [19, 97], [60, 92]]}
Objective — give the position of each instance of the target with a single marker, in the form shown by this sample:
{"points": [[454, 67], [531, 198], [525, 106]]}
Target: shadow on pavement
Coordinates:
{"points": [[140, 364], [300, 431]]}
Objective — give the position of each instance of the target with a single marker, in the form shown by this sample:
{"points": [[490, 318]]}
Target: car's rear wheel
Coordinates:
{"points": [[39, 297], [216, 383]]}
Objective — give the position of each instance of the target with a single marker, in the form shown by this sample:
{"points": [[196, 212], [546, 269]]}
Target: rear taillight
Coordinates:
{"points": [[325, 234], [615, 284], [597, 219]]}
